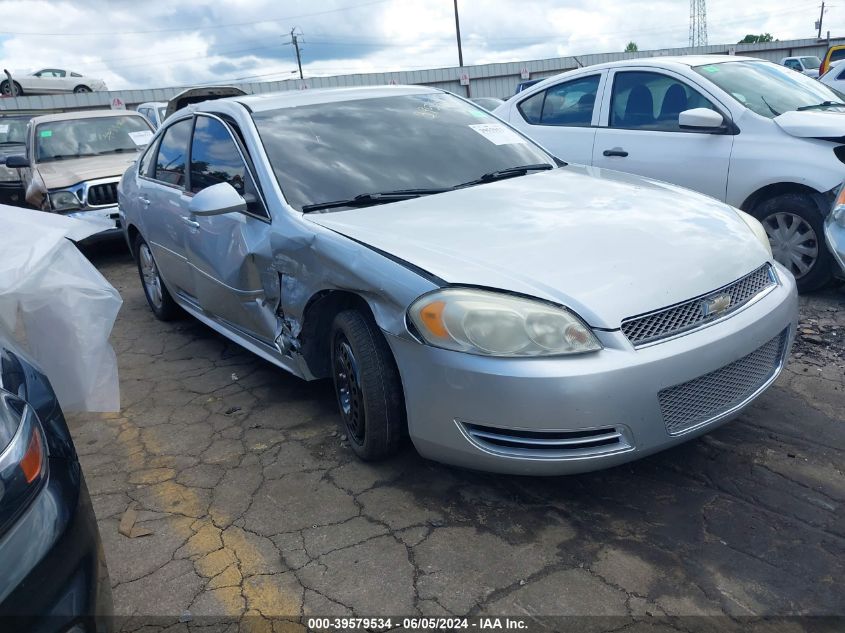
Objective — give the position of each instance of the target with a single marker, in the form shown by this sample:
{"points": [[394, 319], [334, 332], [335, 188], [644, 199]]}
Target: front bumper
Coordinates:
{"points": [[54, 571], [109, 217], [454, 400], [834, 234]]}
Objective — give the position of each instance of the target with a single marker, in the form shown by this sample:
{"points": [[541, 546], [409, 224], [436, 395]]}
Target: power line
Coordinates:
{"points": [[227, 25]]}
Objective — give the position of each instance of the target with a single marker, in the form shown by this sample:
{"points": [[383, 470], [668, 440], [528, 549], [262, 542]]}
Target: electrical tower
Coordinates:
{"points": [[697, 23]]}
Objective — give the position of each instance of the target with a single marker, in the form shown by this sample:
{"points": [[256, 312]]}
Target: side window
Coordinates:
{"points": [[651, 101], [173, 154], [566, 104], [793, 64], [841, 74], [147, 160], [836, 55], [215, 158]]}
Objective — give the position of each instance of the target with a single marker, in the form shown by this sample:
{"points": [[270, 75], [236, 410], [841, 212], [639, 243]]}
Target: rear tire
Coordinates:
{"points": [[795, 227], [158, 297], [367, 386], [81, 89], [5, 88]]}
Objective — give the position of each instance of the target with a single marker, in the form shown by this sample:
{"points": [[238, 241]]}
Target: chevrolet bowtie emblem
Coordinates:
{"points": [[713, 306]]}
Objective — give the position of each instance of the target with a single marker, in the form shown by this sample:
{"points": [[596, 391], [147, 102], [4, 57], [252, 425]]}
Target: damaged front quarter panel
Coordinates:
{"points": [[321, 270]]}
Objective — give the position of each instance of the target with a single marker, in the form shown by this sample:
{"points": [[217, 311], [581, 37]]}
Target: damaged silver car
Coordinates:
{"points": [[459, 284]]}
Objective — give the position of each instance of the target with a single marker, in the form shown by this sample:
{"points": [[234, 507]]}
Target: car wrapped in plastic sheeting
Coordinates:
{"points": [[58, 307]]}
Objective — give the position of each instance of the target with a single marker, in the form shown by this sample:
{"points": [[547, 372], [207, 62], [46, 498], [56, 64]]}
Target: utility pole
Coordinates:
{"points": [[295, 42], [458, 33], [821, 20], [698, 23]]}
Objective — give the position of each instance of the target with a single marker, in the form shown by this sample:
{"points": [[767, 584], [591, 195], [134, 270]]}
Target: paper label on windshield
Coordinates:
{"points": [[497, 134], [46, 133], [141, 138], [4, 128]]}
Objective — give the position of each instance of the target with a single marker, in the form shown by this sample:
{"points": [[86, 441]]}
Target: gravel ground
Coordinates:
{"points": [[239, 497]]}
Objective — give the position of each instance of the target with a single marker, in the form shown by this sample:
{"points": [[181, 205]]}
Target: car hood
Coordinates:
{"points": [[608, 246], [65, 173], [812, 123]]}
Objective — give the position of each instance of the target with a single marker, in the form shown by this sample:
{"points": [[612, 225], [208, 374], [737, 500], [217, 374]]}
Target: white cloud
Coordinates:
{"points": [[203, 40]]}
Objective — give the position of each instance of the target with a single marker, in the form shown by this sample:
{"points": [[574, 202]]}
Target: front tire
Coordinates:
{"points": [[367, 386], [158, 297], [795, 228], [81, 89]]}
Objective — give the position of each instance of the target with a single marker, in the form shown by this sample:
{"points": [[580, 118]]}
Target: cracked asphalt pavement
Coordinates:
{"points": [[254, 505]]}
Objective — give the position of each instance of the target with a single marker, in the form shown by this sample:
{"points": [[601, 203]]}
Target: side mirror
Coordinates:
{"points": [[216, 200], [16, 162], [701, 120]]}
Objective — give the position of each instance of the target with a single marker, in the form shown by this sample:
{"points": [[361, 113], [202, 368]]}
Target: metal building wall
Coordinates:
{"points": [[488, 80]]}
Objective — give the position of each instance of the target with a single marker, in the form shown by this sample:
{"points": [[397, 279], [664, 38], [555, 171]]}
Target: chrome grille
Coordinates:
{"points": [[102, 195], [548, 444], [690, 404], [688, 315]]}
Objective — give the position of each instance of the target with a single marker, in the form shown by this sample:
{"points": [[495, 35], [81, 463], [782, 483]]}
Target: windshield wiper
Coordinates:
{"points": [[370, 199], [501, 174], [823, 104], [771, 109], [116, 150], [59, 157]]}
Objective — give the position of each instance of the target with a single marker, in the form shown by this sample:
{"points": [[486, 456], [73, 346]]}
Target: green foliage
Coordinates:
{"points": [[631, 48], [754, 39]]}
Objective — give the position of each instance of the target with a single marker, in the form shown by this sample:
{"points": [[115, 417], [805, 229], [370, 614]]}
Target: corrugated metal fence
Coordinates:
{"points": [[488, 80]]}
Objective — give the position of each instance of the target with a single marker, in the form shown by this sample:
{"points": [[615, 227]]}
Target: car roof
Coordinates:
{"points": [[83, 114], [676, 60], [294, 98]]}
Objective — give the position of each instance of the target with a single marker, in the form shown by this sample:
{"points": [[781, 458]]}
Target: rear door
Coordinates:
{"points": [[640, 132], [163, 201], [562, 118], [229, 254]]}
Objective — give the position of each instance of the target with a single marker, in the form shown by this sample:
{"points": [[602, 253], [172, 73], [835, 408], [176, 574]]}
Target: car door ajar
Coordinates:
{"points": [[562, 118], [163, 205], [640, 133], [230, 254]]}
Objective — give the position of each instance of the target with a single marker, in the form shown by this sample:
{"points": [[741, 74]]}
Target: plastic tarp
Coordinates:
{"points": [[58, 307]]}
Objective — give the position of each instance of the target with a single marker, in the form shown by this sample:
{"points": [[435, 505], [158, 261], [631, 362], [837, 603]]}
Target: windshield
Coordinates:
{"points": [[768, 89], [75, 138], [13, 130], [811, 63], [339, 150]]}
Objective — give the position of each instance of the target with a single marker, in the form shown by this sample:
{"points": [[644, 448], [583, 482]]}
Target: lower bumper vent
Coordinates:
{"points": [[547, 444], [691, 404]]}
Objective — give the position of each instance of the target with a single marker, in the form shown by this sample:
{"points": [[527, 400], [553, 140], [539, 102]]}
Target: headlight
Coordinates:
{"points": [[838, 212], [64, 201], [497, 324], [758, 230], [23, 456]]}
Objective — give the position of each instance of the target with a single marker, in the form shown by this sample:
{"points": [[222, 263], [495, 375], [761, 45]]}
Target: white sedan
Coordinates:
{"points": [[51, 81], [746, 131]]}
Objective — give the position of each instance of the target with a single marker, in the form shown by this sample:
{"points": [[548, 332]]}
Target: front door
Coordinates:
{"points": [[640, 133], [163, 192], [229, 254]]}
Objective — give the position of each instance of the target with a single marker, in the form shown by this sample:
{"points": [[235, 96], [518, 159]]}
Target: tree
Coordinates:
{"points": [[754, 39], [631, 48]]}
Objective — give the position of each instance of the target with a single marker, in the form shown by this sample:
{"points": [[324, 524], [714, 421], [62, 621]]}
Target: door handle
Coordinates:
{"points": [[616, 151], [144, 200], [190, 222]]}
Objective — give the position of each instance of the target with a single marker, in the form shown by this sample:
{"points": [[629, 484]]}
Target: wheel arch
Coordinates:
{"points": [[317, 318], [132, 232], [822, 200]]}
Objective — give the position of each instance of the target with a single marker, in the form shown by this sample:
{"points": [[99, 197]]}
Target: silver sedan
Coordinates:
{"points": [[457, 283]]}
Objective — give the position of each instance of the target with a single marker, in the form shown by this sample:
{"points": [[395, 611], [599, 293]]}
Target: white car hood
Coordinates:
{"points": [[608, 247], [812, 123]]}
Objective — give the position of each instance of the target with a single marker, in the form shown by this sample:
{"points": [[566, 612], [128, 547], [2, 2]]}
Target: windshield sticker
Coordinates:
{"points": [[739, 97], [141, 138], [497, 134], [710, 69], [4, 128], [46, 133]]}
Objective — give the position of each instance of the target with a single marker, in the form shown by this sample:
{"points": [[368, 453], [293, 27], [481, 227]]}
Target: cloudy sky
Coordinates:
{"points": [[149, 43]]}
